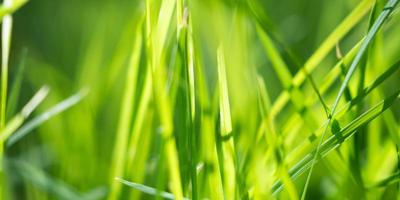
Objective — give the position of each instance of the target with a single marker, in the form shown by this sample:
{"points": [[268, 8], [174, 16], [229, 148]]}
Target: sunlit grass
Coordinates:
{"points": [[190, 99]]}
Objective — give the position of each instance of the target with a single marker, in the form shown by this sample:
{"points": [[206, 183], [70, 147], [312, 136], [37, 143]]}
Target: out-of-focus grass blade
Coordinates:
{"points": [[9, 9], [378, 81], [148, 190], [5, 51], [125, 116], [17, 120], [273, 141], [139, 120], [58, 188], [282, 70], [387, 181], [16, 86], [35, 122], [207, 113], [342, 29], [327, 45], [137, 159]]}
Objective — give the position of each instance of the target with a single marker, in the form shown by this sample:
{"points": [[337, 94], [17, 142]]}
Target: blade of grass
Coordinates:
{"points": [[147, 189], [5, 51], [329, 81], [374, 29], [156, 48], [58, 188], [125, 116], [273, 139], [6, 43], [296, 97], [140, 158], [228, 150], [48, 114], [346, 132], [144, 102], [209, 154], [191, 98], [326, 46], [395, 178], [17, 120], [9, 7], [383, 77], [16, 86]]}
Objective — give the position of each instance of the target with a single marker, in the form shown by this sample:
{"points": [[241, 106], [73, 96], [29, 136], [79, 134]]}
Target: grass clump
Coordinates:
{"points": [[195, 99]]}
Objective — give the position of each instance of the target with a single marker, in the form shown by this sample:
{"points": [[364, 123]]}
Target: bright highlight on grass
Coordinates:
{"points": [[200, 99]]}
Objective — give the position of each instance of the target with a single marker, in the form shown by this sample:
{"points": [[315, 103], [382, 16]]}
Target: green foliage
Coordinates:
{"points": [[197, 99]]}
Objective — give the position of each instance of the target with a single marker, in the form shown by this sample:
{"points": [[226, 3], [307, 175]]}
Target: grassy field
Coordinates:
{"points": [[200, 99]]}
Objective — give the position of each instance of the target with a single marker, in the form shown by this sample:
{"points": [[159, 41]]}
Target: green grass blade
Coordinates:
{"points": [[139, 120], [356, 100], [226, 128], [296, 97], [11, 7], [374, 29], [56, 187], [225, 113], [273, 141], [190, 81], [284, 97], [125, 116], [16, 86], [5, 51], [328, 44], [341, 30], [157, 34], [17, 120], [147, 189], [395, 178], [346, 132], [37, 121]]}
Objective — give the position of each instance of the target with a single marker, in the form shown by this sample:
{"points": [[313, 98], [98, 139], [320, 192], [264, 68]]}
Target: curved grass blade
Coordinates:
{"points": [[57, 187], [17, 120], [284, 75], [371, 34], [355, 101], [12, 7], [395, 178], [147, 189], [35, 122], [326, 46], [329, 81], [334, 142]]}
